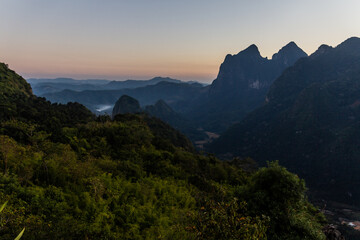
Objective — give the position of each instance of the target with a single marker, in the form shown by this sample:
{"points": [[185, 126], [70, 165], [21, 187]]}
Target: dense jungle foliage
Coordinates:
{"points": [[69, 175]]}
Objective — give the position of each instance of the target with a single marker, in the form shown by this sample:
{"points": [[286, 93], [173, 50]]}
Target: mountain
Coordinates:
{"points": [[288, 55], [163, 111], [241, 86], [126, 104], [68, 175], [159, 117], [49, 87], [138, 83], [13, 88], [310, 123], [44, 86], [159, 110], [33, 81], [148, 95], [18, 102], [12, 84]]}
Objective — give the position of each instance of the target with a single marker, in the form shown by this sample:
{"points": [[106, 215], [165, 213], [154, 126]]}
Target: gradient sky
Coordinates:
{"points": [[140, 39]]}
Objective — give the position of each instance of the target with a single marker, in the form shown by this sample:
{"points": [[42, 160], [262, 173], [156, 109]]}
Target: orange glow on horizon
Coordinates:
{"points": [[187, 40], [202, 73]]}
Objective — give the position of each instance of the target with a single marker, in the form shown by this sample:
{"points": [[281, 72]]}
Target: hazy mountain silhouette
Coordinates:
{"points": [[44, 86], [163, 111], [310, 122], [138, 83], [160, 110], [168, 91], [241, 86]]}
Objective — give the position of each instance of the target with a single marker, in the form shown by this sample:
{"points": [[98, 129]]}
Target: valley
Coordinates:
{"points": [[293, 108], [179, 120], [296, 109]]}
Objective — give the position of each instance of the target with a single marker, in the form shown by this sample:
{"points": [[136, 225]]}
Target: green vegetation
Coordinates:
{"points": [[69, 175], [22, 232], [279, 194]]}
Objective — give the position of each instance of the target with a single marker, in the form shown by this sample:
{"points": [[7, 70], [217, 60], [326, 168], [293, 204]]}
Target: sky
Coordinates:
{"points": [[141, 39]]}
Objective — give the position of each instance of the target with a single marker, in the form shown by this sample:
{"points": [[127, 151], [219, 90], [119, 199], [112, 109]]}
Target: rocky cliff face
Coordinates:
{"points": [[249, 70], [241, 86]]}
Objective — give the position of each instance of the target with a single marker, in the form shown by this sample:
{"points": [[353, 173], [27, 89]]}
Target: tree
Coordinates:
{"points": [[7, 149], [227, 220], [280, 195], [22, 232]]}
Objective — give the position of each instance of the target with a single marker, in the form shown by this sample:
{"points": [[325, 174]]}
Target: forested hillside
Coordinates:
{"points": [[70, 175]]}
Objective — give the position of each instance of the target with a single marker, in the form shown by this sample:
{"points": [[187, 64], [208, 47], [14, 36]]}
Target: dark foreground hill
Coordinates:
{"points": [[69, 175], [310, 123]]}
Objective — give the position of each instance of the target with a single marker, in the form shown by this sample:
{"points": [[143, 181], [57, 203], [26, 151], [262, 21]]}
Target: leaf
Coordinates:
{"points": [[20, 234], [3, 206]]}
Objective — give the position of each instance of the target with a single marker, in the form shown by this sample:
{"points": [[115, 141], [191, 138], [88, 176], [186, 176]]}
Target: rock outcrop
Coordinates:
{"points": [[126, 104], [332, 233]]}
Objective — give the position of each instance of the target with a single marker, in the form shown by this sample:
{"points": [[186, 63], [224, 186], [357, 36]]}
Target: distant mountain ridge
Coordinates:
{"points": [[138, 83], [33, 81], [44, 86], [310, 122], [170, 92]]}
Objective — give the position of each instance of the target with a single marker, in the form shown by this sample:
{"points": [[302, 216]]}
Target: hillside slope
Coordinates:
{"points": [[69, 175]]}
